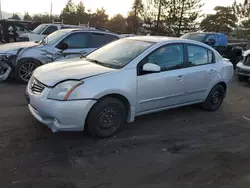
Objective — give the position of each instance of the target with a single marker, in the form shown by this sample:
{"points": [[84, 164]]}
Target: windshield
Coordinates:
{"points": [[54, 37], [39, 29], [119, 53], [195, 36]]}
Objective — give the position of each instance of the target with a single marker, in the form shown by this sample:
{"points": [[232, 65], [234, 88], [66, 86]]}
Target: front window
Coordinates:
{"points": [[119, 53], [195, 36], [54, 37], [77, 40], [168, 57], [50, 29], [39, 29]]}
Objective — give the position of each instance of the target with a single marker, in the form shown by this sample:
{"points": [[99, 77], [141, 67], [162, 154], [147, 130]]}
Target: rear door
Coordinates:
{"points": [[201, 74], [166, 88]]}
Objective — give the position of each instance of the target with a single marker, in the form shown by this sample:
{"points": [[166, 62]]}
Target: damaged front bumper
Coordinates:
{"points": [[6, 66]]}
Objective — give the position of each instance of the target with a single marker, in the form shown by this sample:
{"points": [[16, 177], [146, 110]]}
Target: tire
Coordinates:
{"points": [[106, 117], [214, 99], [242, 78], [25, 65]]}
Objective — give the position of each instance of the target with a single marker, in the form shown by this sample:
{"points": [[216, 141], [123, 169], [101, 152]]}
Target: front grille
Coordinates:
{"points": [[36, 87]]}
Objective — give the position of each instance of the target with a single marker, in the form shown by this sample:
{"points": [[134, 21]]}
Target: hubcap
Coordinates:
{"points": [[108, 119], [216, 98], [26, 70]]}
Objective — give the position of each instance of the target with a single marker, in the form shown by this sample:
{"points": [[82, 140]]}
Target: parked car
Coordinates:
{"points": [[243, 67], [20, 59], [10, 29], [124, 79], [218, 41], [44, 30]]}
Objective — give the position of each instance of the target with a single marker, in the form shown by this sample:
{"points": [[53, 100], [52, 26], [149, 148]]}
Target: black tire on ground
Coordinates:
{"points": [[25, 65], [106, 117], [242, 78], [214, 99]]}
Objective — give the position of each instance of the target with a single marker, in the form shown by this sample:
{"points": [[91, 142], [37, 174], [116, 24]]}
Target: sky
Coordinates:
{"points": [[112, 6]]}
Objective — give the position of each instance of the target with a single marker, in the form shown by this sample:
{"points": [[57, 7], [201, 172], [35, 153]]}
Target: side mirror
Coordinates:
{"points": [[150, 67], [62, 46]]}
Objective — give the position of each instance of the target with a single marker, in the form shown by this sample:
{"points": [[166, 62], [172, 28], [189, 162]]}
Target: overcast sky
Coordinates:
{"points": [[112, 6]]}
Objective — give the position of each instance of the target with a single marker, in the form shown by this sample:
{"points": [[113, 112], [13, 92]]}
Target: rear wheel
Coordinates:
{"points": [[24, 70], [242, 78], [214, 99], [106, 117]]}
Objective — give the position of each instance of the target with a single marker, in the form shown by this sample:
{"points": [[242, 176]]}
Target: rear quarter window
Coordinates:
{"points": [[110, 38]]}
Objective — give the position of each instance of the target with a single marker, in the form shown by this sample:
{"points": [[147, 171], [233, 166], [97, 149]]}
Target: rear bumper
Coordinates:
{"points": [[59, 115]]}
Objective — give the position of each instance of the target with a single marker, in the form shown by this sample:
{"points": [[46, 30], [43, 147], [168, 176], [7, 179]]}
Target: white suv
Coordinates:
{"points": [[44, 30]]}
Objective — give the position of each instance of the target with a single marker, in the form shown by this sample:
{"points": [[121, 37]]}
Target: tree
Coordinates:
{"points": [[172, 17], [41, 18], [134, 16], [99, 18], [242, 13], [82, 16], [182, 14], [223, 21], [241, 10], [15, 17], [159, 5], [68, 13], [117, 23], [154, 17], [27, 17]]}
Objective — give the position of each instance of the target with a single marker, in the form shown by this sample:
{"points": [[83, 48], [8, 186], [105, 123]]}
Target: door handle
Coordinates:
{"points": [[211, 71], [179, 78]]}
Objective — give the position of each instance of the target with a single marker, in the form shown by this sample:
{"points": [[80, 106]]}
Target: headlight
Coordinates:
{"points": [[63, 90]]}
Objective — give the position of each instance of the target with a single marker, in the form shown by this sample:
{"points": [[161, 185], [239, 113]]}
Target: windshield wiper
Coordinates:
{"points": [[94, 61], [99, 63]]}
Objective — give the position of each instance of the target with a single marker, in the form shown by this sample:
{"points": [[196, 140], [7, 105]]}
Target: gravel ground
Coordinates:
{"points": [[184, 147]]}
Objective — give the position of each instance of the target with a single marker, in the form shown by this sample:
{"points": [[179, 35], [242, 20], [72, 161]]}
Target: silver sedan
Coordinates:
{"points": [[125, 79]]}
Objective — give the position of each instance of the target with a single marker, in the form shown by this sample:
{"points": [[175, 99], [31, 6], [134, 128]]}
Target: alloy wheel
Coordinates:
{"points": [[26, 70]]}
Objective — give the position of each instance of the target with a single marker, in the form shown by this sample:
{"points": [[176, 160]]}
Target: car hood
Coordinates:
{"points": [[5, 48], [53, 73]]}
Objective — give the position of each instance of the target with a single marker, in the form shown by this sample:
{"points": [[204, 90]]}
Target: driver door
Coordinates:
{"points": [[165, 88], [78, 45]]}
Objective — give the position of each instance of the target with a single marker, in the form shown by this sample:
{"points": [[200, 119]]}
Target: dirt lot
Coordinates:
{"points": [[185, 147]]}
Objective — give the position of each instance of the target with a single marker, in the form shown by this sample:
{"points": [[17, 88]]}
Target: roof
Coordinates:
{"points": [[87, 29], [161, 39], [213, 33], [66, 25], [155, 39]]}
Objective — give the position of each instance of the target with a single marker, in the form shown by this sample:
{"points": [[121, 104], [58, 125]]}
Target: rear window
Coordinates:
{"points": [[100, 39], [111, 38]]}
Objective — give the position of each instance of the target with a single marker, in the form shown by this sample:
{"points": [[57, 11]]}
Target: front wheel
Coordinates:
{"points": [[106, 117], [24, 70], [214, 99]]}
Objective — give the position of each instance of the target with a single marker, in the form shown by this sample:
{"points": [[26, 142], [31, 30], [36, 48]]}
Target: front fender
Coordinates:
{"points": [[36, 54]]}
